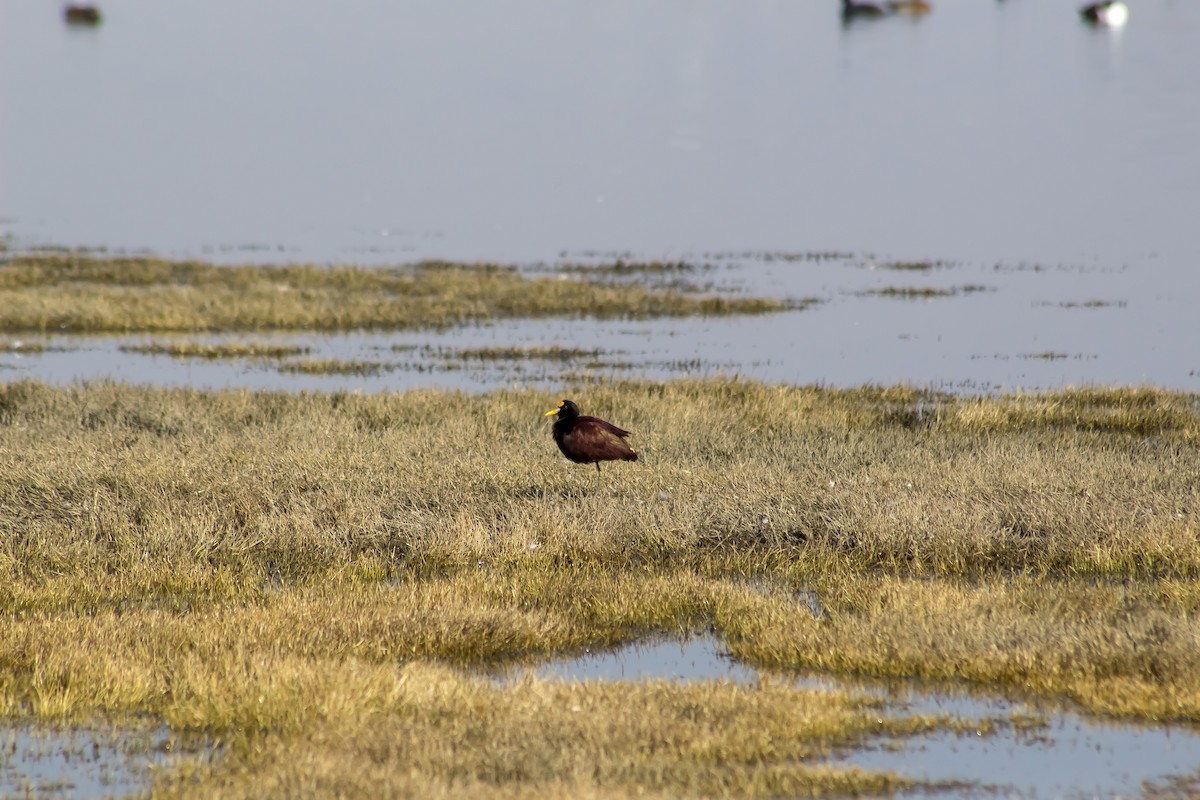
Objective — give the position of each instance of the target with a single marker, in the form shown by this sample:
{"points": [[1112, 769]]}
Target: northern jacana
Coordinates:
{"points": [[588, 440]]}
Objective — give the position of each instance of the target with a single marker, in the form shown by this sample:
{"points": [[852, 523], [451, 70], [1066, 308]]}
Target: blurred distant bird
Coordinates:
{"points": [[588, 440], [853, 9], [81, 14], [912, 7], [1111, 13]]}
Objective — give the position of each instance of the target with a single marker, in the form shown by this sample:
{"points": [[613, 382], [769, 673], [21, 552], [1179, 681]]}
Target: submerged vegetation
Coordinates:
{"points": [[79, 293], [216, 351], [923, 292], [333, 366], [550, 353], [312, 579]]}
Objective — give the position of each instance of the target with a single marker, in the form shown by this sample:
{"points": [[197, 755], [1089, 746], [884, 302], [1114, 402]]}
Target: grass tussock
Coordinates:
{"points": [[333, 366], [19, 346], [923, 292], [913, 266], [215, 351], [78, 293], [551, 353], [308, 574]]}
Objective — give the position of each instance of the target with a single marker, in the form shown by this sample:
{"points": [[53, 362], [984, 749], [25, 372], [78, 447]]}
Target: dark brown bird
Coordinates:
{"points": [[82, 14], [588, 440], [858, 9]]}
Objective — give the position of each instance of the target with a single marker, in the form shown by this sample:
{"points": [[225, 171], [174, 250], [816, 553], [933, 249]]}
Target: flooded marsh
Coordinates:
{"points": [[900, 313], [1016, 747], [41, 763], [332, 576], [81, 294], [838, 319]]}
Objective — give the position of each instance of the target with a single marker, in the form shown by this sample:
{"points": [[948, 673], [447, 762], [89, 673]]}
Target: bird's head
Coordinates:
{"points": [[565, 410]]}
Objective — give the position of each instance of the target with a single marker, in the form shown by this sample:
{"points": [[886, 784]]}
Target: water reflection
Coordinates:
{"points": [[79, 763]]}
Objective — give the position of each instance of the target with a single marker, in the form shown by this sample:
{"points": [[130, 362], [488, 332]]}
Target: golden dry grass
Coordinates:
{"points": [[78, 293], [302, 577]]}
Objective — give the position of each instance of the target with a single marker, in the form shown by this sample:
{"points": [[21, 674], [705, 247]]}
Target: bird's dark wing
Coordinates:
{"points": [[604, 425], [599, 440]]}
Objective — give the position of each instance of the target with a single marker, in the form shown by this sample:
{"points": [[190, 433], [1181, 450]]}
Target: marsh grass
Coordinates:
{"points": [[312, 579], [1048, 355], [19, 346], [334, 366], [922, 292], [624, 267], [216, 351], [782, 255], [551, 353], [914, 266], [1092, 304], [79, 293]]}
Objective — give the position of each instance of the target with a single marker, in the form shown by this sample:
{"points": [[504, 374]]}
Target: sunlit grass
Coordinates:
{"points": [[77, 293], [317, 581]]}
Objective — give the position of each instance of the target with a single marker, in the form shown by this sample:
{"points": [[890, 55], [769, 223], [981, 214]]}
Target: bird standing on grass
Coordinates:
{"points": [[588, 440]]}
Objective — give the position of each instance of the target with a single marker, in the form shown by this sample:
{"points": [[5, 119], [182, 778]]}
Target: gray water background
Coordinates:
{"points": [[1048, 167]]}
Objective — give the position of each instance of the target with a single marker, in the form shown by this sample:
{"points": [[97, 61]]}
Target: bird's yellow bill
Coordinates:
{"points": [[553, 411]]}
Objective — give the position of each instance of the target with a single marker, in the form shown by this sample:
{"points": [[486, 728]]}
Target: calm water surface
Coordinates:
{"points": [[987, 133], [76, 763], [373, 130]]}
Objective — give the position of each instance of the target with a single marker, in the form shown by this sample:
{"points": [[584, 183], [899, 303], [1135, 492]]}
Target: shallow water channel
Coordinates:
{"points": [[79, 762], [1055, 751], [1015, 748]]}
